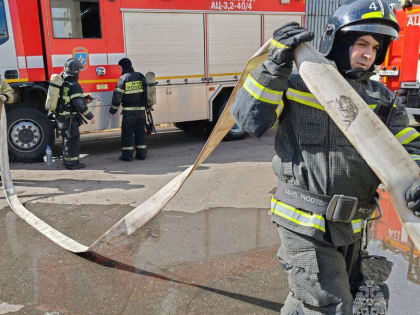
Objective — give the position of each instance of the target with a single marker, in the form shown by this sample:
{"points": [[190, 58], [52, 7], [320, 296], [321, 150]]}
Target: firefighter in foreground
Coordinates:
{"points": [[132, 94], [72, 110], [326, 191]]}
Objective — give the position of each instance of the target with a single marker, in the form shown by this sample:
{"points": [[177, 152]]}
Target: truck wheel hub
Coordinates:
{"points": [[25, 135]]}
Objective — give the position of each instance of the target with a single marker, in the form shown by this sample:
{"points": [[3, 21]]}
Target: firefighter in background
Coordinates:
{"points": [[325, 190], [7, 94], [71, 113], [131, 92]]}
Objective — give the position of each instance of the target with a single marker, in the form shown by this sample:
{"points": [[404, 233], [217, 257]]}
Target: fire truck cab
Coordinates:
{"points": [[401, 67], [197, 50]]}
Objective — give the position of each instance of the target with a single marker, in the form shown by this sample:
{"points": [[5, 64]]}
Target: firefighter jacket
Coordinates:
{"points": [[7, 91], [130, 92], [311, 152], [71, 102]]}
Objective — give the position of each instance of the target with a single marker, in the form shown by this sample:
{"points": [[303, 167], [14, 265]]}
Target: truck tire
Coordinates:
{"points": [[197, 127], [28, 132], [236, 133]]}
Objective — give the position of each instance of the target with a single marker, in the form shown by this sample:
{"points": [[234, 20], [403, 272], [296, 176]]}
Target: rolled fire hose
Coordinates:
{"points": [[387, 158]]}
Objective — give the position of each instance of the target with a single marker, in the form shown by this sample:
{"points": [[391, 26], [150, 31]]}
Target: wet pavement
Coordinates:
{"points": [[194, 257]]}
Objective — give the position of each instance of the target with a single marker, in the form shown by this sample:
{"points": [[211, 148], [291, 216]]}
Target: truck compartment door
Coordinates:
{"points": [[232, 39]]}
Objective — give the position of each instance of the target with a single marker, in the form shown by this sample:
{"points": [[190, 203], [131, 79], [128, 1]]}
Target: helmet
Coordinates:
{"points": [[362, 16], [72, 67], [126, 65]]}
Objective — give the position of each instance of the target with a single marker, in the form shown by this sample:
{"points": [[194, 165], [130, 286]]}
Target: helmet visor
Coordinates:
{"points": [[376, 28]]}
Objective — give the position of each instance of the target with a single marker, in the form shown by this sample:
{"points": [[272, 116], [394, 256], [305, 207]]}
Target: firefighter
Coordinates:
{"points": [[326, 191], [7, 94], [131, 92], [72, 110]]}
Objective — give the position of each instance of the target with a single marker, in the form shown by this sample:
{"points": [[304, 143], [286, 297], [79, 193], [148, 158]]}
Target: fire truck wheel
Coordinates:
{"points": [[199, 127], [29, 131], [236, 133]]}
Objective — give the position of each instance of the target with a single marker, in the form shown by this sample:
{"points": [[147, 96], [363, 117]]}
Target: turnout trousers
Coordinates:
{"points": [[133, 135], [319, 275], [70, 134]]}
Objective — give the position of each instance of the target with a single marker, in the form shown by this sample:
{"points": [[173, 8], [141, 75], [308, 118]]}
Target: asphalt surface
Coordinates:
{"points": [[212, 249]]}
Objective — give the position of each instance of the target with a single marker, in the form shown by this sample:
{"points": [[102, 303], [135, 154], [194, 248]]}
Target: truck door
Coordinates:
{"points": [[75, 29], [8, 61]]}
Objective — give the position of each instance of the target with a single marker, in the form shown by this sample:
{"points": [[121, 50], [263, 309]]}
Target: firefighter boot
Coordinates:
{"points": [[126, 155], [74, 165], [141, 154]]}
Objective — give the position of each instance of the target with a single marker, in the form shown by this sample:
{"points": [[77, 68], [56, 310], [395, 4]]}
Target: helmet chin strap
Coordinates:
{"points": [[358, 74]]}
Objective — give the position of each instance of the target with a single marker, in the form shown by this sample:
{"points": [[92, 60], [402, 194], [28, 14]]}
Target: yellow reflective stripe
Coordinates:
{"points": [[392, 17], [64, 113], [76, 158], [119, 90], [127, 148], [66, 99], [76, 95], [297, 216], [86, 112], [133, 85], [134, 91], [303, 98], [373, 106], [415, 157], [143, 146], [261, 93], [114, 107], [407, 135], [134, 108], [371, 15], [309, 99], [275, 43], [356, 225], [279, 110]]}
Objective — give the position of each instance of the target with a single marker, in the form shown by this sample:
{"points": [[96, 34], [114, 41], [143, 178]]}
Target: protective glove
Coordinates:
{"points": [[412, 196], [285, 40], [3, 98]]}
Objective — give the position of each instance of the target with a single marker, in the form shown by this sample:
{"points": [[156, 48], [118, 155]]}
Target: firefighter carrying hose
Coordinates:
{"points": [[131, 92], [71, 111], [326, 191]]}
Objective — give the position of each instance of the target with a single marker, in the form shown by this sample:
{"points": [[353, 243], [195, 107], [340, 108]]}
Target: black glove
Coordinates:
{"points": [[412, 196], [376, 268], [285, 40]]}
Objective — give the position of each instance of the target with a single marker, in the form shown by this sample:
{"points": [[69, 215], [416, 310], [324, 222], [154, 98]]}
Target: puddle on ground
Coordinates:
{"points": [[219, 260]]}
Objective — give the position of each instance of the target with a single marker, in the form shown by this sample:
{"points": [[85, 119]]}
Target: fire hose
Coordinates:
{"points": [[383, 153]]}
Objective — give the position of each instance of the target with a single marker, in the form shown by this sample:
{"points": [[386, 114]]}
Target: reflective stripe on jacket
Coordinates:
{"points": [[131, 92], [72, 100]]}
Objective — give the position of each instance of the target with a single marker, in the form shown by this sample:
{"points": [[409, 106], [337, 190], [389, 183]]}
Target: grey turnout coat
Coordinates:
{"points": [[311, 152]]}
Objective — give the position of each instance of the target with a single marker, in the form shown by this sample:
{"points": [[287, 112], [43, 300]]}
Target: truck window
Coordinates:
{"points": [[4, 35], [76, 18]]}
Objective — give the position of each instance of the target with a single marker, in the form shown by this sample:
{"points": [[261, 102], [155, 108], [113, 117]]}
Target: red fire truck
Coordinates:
{"points": [[197, 49], [401, 67]]}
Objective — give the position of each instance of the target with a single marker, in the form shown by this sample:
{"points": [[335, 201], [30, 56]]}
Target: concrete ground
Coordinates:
{"points": [[212, 250]]}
